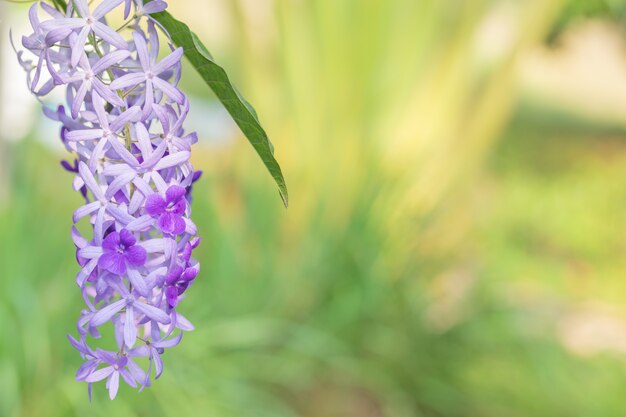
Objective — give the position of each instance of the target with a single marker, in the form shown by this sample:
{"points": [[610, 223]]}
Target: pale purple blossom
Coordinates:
{"points": [[131, 165]]}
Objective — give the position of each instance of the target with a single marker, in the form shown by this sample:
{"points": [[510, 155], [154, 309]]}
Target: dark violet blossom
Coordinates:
{"points": [[170, 210], [176, 282], [120, 251], [125, 131]]}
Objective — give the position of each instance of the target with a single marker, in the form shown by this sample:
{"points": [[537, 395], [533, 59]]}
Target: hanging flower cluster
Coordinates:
{"points": [[124, 124]]}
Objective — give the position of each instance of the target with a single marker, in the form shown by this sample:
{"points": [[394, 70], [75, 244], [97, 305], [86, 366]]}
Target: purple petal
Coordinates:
{"points": [[180, 206], [56, 35], [154, 7], [130, 115], [173, 275], [138, 281], [104, 92], [119, 214], [128, 378], [149, 100], [155, 205], [166, 222], [179, 225], [130, 330], [172, 160], [156, 155], [168, 62], [109, 35], [79, 98], [142, 51], [86, 369], [135, 370], [78, 47], [171, 91], [153, 245], [108, 60], [152, 312], [128, 80], [111, 242], [127, 238], [104, 314], [83, 135], [106, 356], [119, 183], [143, 138], [32, 16], [100, 374], [113, 262], [189, 274], [90, 252], [153, 37], [140, 223], [69, 23], [170, 343], [86, 272], [85, 211], [171, 294], [182, 322], [127, 4], [90, 181], [114, 384], [122, 151], [136, 255], [81, 7], [158, 364], [174, 194]]}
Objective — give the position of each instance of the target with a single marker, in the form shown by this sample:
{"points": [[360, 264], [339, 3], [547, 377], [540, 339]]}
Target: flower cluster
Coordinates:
{"points": [[123, 123]]}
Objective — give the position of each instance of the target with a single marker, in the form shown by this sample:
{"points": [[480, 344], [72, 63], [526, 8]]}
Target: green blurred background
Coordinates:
{"points": [[455, 242]]}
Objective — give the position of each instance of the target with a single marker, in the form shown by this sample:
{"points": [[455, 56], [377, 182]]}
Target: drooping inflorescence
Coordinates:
{"points": [[124, 124]]}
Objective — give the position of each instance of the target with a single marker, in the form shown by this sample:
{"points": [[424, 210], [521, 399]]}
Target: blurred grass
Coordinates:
{"points": [[440, 230]]}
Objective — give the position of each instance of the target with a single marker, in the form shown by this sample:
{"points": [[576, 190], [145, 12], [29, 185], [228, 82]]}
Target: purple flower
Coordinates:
{"points": [[176, 282], [117, 367], [126, 133], [88, 79], [119, 251], [150, 75], [169, 210], [85, 24]]}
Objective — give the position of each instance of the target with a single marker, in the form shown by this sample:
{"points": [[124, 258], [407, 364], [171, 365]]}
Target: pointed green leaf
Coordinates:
{"points": [[216, 78]]}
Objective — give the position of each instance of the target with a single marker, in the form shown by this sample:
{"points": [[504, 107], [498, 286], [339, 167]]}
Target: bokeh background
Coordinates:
{"points": [[455, 243]]}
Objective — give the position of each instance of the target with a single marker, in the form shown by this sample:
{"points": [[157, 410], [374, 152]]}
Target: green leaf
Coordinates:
{"points": [[60, 5], [216, 78]]}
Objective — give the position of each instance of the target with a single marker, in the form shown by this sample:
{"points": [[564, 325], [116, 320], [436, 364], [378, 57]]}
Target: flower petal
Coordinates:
{"points": [[142, 51], [83, 135], [100, 374], [104, 314], [155, 205], [136, 255], [130, 330], [152, 312], [168, 62], [78, 45], [172, 160], [114, 384], [138, 281], [109, 35], [174, 193], [113, 262], [128, 80], [171, 91]]}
